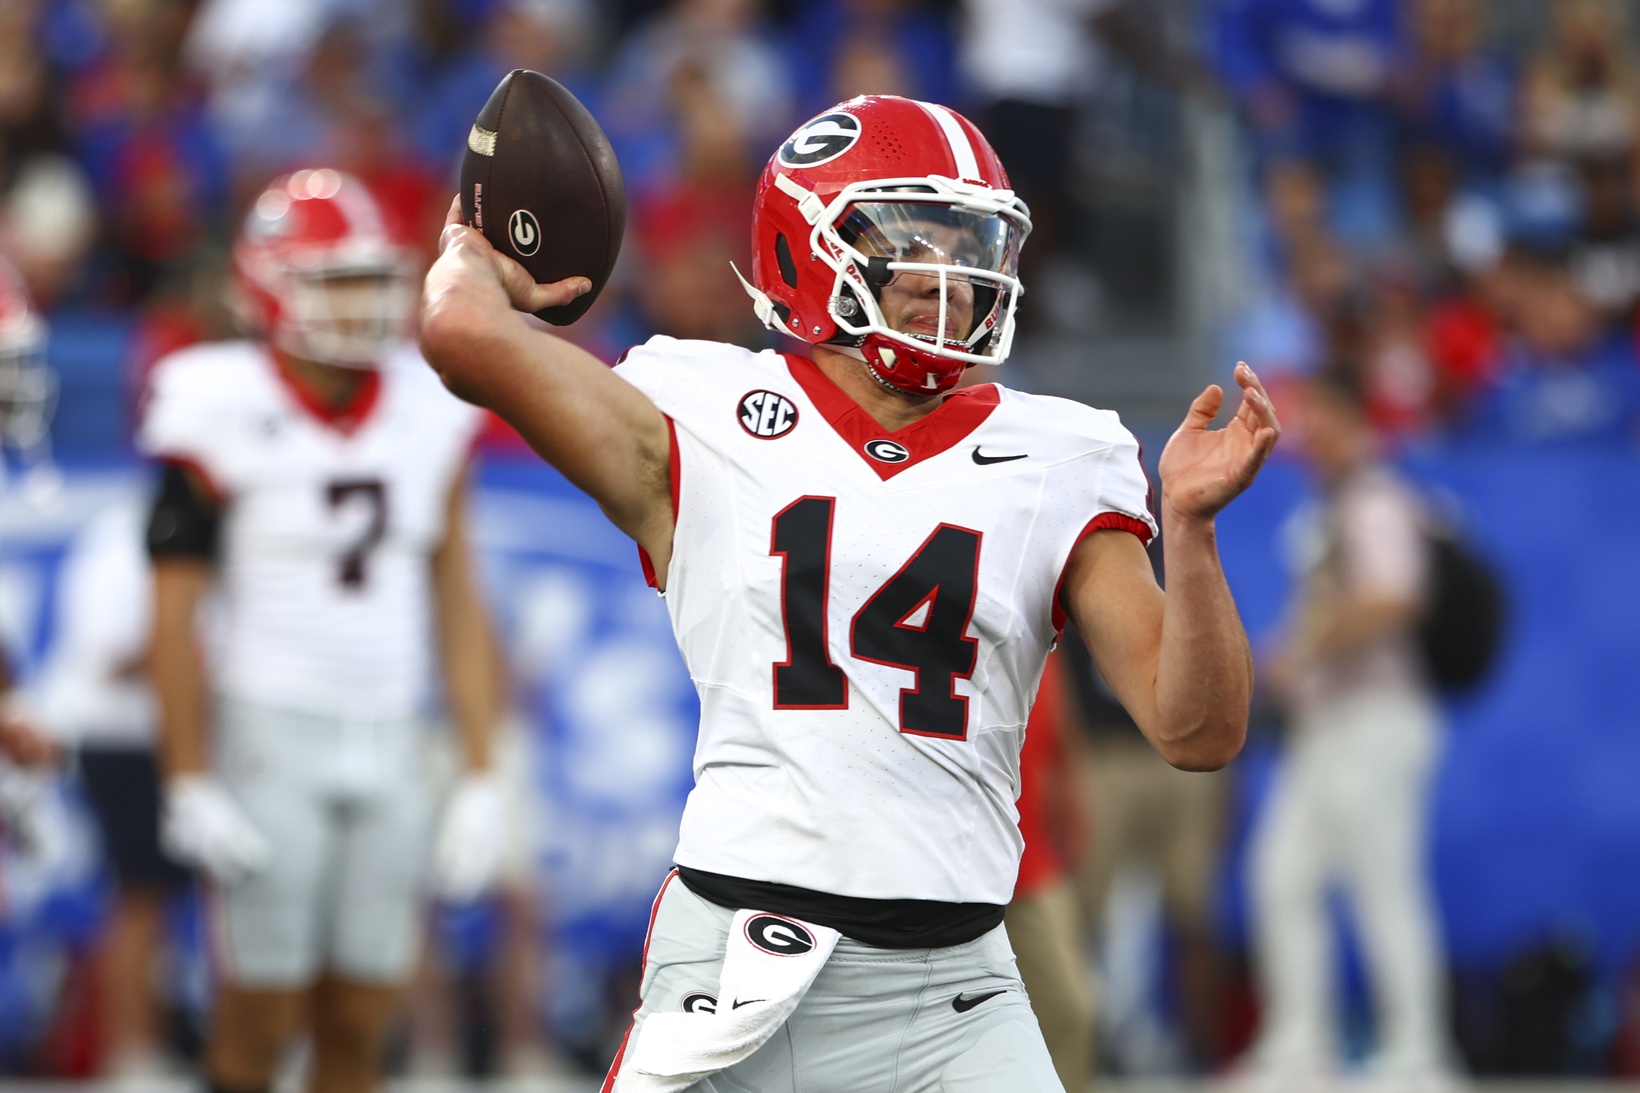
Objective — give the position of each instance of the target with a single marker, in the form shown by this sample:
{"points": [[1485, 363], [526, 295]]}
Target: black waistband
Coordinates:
{"points": [[885, 923]]}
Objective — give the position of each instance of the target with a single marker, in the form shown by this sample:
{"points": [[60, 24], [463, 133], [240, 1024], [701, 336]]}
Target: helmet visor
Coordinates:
{"points": [[933, 234], [914, 252]]}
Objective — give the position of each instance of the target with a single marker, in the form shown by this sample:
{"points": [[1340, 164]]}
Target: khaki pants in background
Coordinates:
{"points": [[1152, 816], [1045, 928]]}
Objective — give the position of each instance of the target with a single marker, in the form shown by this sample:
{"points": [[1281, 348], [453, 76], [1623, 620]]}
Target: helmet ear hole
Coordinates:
{"points": [[783, 256]]}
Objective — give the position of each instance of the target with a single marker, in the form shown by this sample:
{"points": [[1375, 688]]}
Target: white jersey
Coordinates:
{"points": [[328, 523], [866, 614]]}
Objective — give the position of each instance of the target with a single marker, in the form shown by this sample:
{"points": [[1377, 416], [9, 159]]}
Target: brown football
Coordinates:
{"points": [[540, 180]]}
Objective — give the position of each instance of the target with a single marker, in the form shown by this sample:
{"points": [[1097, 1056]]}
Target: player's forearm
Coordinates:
{"points": [[178, 674], [1204, 675], [472, 681]]}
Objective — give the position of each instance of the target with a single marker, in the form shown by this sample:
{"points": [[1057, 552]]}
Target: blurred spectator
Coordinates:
{"points": [[1027, 64], [1456, 94], [1152, 818], [694, 50], [46, 216], [690, 229], [550, 36], [1400, 377], [274, 71], [94, 697], [186, 308], [846, 48], [28, 386], [1292, 329], [1043, 919], [1563, 377], [1350, 802], [142, 133], [1605, 257], [1429, 188], [1580, 96], [1465, 341], [1314, 80]]}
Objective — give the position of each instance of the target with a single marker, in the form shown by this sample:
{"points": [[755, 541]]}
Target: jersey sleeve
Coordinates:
{"points": [[1121, 496], [181, 422], [650, 367]]}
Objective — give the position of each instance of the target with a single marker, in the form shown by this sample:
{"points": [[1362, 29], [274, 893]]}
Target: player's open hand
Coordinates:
{"points": [[1204, 469], [522, 291]]}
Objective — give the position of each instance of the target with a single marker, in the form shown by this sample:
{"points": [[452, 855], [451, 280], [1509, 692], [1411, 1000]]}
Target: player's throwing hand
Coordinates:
{"points": [[465, 249]]}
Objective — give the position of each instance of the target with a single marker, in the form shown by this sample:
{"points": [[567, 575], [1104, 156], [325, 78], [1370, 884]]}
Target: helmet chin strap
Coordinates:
{"points": [[881, 382]]}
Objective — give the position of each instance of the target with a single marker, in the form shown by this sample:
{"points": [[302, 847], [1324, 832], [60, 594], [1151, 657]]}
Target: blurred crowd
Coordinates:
{"points": [[1445, 215], [1451, 210], [1454, 220], [133, 132]]}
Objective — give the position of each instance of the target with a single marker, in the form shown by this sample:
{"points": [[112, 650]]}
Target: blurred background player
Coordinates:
{"points": [[315, 480], [94, 697], [28, 388], [1351, 804], [1151, 822], [28, 393]]}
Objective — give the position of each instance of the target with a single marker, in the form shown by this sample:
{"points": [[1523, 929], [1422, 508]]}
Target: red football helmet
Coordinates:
{"points": [[881, 191], [28, 389], [317, 274]]}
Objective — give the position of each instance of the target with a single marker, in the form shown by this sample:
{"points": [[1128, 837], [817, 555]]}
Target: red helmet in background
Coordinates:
{"points": [[873, 188], [317, 274], [28, 388]]}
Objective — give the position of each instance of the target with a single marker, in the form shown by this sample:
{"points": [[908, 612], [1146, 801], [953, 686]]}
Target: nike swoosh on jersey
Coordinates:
{"points": [[987, 460], [737, 1003], [963, 1004]]}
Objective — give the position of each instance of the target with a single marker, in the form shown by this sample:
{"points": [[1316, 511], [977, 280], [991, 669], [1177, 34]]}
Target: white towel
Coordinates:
{"points": [[768, 964]]}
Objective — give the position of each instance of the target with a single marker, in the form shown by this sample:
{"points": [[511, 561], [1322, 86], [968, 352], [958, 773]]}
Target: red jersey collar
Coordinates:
{"points": [[952, 421], [345, 419]]}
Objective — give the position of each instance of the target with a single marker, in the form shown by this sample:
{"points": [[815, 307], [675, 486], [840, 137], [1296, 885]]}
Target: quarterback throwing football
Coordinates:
{"points": [[314, 477], [865, 569]]}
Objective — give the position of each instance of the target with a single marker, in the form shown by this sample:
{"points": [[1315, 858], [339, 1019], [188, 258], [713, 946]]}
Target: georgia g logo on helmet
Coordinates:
{"points": [[820, 140]]}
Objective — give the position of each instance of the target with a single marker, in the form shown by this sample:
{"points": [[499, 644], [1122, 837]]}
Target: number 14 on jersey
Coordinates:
{"points": [[917, 621]]}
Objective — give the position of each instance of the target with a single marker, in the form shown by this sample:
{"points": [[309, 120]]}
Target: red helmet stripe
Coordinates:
{"points": [[962, 150]]}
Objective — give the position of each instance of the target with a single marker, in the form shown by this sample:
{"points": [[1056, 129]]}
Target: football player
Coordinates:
{"points": [[314, 478], [865, 570], [28, 394]]}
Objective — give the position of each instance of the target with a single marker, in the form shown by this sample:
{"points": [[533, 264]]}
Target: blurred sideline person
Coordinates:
{"points": [[1044, 923], [95, 698], [28, 386], [1154, 817], [1351, 802], [865, 570], [28, 392], [314, 478]]}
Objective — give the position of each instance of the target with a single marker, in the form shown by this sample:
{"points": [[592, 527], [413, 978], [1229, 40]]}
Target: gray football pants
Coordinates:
{"points": [[347, 810], [874, 1020]]}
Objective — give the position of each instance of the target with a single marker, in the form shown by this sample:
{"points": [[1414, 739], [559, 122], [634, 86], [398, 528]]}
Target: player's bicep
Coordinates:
{"points": [[1110, 593]]}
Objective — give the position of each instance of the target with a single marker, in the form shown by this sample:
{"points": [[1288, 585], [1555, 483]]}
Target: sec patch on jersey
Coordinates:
{"points": [[540, 180]]}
